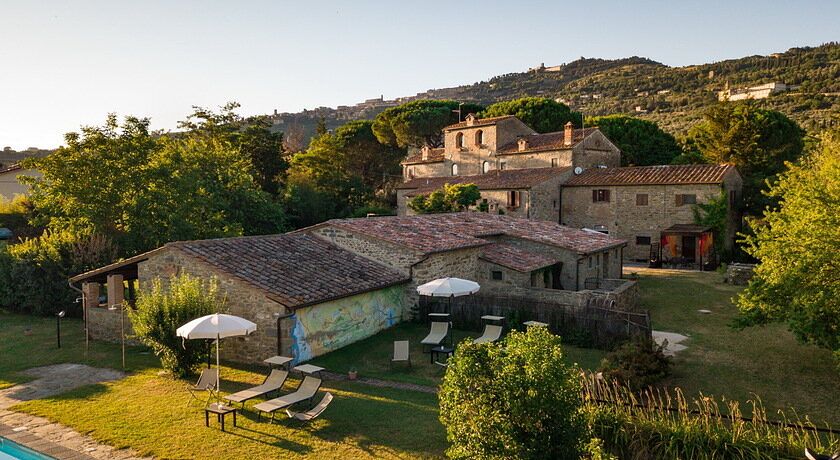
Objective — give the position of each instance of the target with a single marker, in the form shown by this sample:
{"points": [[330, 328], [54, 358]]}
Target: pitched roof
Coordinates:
{"points": [[431, 233], [478, 122], [510, 256], [295, 269], [435, 156], [493, 180], [546, 141], [11, 168], [652, 175]]}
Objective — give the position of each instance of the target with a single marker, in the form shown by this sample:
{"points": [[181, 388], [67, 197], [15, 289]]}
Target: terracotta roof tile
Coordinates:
{"points": [[652, 175], [478, 122], [494, 180], [430, 233], [295, 269], [547, 141], [519, 259], [435, 156]]}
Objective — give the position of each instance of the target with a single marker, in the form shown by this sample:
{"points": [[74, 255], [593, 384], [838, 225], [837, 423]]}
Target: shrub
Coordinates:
{"points": [[514, 400], [638, 363], [162, 309]]}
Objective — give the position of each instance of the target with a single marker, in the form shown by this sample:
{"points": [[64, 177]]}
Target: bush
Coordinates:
{"points": [[161, 310], [515, 400], [638, 363], [34, 273]]}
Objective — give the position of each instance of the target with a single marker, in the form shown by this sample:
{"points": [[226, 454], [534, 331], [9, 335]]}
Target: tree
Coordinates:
{"points": [[449, 198], [543, 115], [418, 123], [757, 141], [797, 279], [642, 142], [515, 401], [162, 309], [363, 156], [714, 214]]}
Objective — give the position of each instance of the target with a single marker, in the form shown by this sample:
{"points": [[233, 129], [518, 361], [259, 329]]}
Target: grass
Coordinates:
{"points": [[766, 361], [372, 357]]}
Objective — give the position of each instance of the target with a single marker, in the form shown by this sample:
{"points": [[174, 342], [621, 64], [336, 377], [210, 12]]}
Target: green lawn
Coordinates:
{"points": [[766, 361], [372, 357]]}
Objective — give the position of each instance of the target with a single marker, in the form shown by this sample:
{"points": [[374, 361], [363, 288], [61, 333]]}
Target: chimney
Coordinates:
{"points": [[425, 152], [470, 119], [523, 144], [568, 134]]}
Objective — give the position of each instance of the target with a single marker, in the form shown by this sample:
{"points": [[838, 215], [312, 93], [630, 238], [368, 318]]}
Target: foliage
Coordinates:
{"points": [[15, 215], [518, 400], [162, 309], [34, 273], [143, 190], [642, 142], [714, 214], [757, 141], [418, 123], [661, 424], [542, 114], [449, 198], [797, 280], [638, 363]]}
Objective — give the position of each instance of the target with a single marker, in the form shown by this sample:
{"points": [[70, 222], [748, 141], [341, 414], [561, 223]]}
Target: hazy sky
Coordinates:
{"points": [[68, 63]]}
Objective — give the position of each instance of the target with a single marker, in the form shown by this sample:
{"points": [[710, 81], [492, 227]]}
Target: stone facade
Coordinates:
{"points": [[627, 215]]}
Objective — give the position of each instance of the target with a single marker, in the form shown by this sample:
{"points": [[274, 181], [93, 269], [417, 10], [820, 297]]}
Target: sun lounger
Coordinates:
{"points": [[306, 391], [491, 333], [437, 334], [274, 382], [401, 354], [206, 382], [314, 412]]}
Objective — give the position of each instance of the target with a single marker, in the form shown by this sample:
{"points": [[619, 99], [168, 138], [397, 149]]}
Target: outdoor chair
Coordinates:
{"points": [[273, 382], [401, 354], [314, 412], [206, 382], [437, 334], [305, 392], [491, 333]]}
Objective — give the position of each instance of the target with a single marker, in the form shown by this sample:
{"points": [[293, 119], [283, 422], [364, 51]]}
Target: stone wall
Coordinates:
{"points": [[437, 169], [624, 219], [739, 274], [596, 151], [10, 186], [104, 324], [377, 250], [462, 263]]}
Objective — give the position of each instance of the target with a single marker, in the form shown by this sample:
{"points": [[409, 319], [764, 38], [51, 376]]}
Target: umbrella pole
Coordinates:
{"points": [[218, 371]]}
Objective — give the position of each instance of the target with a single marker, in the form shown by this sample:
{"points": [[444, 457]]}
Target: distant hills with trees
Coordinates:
{"points": [[673, 97]]}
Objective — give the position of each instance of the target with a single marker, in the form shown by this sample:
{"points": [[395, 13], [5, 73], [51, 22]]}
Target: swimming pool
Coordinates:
{"points": [[13, 451]]}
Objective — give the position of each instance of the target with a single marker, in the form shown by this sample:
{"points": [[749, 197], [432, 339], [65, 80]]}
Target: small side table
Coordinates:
{"points": [[220, 410], [437, 351]]}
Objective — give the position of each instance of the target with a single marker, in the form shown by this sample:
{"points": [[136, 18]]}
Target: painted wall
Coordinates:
{"points": [[329, 326]]}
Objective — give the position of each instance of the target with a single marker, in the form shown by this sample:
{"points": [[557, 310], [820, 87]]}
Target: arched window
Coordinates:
{"points": [[454, 169], [479, 137], [485, 167], [459, 140]]}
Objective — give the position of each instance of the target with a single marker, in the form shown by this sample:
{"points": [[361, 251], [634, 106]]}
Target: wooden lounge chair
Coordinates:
{"points": [[206, 382], [401, 354], [273, 382], [437, 334], [491, 333], [306, 391], [314, 412]]}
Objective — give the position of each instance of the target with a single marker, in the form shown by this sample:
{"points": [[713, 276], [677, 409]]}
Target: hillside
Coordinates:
{"points": [[674, 97]]}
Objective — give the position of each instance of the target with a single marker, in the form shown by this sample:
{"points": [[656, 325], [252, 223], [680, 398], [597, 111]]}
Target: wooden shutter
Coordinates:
{"points": [[607, 196], [678, 199], [594, 196]]}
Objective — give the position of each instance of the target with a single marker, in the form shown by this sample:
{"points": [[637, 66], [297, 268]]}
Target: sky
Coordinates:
{"points": [[64, 64]]}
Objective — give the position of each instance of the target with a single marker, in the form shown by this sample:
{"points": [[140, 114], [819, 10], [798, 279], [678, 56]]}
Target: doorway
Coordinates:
{"points": [[689, 248]]}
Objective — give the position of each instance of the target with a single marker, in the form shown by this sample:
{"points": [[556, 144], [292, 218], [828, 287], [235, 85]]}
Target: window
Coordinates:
{"points": [[600, 195], [485, 167], [454, 169], [641, 199], [502, 165], [590, 261], [479, 137], [554, 204], [555, 162], [643, 240], [496, 275], [513, 199], [459, 140], [685, 198]]}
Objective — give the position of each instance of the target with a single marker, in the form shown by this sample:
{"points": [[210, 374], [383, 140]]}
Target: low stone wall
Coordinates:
{"points": [[104, 324], [625, 293], [739, 274]]}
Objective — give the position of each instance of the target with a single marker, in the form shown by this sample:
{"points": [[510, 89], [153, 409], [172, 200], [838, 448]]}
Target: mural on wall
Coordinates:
{"points": [[329, 326]]}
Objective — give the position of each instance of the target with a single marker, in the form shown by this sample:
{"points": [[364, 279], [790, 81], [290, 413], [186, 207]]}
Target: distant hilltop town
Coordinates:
{"points": [[9, 157]]}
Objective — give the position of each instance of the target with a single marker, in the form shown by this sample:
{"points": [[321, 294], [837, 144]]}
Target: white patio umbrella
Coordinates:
{"points": [[216, 327], [448, 287]]}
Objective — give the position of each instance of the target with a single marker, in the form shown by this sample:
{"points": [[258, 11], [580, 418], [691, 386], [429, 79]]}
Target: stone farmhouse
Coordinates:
{"points": [[556, 176], [323, 287]]}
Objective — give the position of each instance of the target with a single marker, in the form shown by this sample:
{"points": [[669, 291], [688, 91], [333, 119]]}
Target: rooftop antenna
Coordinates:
{"points": [[459, 111]]}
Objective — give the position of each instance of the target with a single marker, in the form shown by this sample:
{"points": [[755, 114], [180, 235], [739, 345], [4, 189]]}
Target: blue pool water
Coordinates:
{"points": [[13, 451]]}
